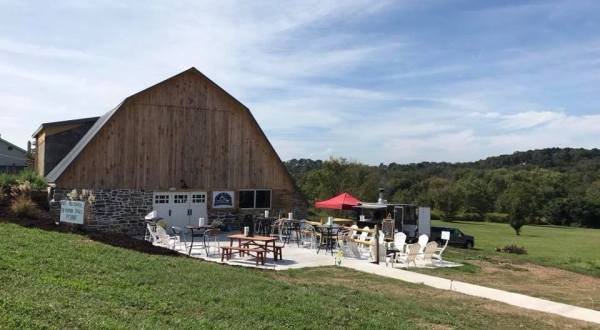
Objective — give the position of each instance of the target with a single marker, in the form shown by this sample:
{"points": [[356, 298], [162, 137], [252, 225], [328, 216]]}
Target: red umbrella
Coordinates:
{"points": [[343, 201]]}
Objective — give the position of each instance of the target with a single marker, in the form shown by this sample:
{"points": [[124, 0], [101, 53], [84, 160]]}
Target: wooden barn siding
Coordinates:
{"points": [[185, 128]]}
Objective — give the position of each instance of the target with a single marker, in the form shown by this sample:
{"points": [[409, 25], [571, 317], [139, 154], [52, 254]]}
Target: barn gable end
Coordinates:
{"points": [[183, 134]]}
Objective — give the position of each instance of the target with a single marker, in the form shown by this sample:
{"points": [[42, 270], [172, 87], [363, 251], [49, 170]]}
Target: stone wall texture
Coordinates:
{"points": [[123, 210]]}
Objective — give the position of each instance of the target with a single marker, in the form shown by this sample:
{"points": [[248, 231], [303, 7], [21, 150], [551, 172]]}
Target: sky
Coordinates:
{"points": [[371, 81]]}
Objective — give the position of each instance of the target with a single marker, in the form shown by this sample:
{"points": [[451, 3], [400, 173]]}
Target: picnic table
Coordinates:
{"points": [[200, 231], [267, 243]]}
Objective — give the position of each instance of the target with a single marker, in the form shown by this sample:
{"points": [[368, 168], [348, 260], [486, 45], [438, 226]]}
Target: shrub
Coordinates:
{"points": [[23, 207], [7, 181], [436, 214], [466, 216], [497, 217], [37, 182], [21, 190], [513, 249]]}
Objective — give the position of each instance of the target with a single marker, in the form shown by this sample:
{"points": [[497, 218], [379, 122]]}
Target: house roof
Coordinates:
{"points": [[13, 145], [18, 158], [63, 122]]}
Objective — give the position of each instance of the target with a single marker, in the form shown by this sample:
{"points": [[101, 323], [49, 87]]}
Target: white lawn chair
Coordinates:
{"points": [[364, 238], [438, 252], [423, 239], [165, 240], [426, 257], [351, 249], [412, 251], [151, 235], [355, 234], [399, 241]]}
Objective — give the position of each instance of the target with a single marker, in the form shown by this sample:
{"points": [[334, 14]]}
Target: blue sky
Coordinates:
{"points": [[385, 81]]}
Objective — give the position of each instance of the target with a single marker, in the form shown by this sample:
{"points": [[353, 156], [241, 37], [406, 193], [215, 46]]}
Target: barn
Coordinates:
{"points": [[183, 147]]}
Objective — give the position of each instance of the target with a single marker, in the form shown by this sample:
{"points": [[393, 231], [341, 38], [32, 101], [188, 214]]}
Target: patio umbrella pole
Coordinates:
{"points": [[376, 245]]}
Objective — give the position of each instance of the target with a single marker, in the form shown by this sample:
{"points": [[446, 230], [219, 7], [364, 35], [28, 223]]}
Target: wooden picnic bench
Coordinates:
{"points": [[227, 251]]}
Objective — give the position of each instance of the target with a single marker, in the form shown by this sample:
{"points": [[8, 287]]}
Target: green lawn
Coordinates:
{"points": [[575, 249], [60, 280]]}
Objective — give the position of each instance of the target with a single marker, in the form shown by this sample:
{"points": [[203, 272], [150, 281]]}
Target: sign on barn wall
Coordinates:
{"points": [[72, 211], [222, 199]]}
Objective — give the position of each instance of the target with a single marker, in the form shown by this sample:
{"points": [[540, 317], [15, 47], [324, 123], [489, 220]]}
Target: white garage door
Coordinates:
{"points": [[180, 208]]}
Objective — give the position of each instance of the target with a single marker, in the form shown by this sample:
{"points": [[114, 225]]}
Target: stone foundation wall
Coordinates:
{"points": [[116, 210], [123, 210]]}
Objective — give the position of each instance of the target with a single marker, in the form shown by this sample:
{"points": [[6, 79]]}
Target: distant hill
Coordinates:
{"points": [[562, 159], [560, 185]]}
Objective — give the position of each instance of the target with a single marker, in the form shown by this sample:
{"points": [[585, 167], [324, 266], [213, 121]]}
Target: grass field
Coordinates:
{"points": [[562, 264], [60, 280], [574, 249]]}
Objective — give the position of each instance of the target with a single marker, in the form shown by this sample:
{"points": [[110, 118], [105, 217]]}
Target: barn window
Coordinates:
{"points": [[180, 199], [161, 199], [255, 199], [263, 199], [246, 199], [201, 198]]}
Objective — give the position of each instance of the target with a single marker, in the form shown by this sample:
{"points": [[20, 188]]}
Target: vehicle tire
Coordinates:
{"points": [[469, 245]]}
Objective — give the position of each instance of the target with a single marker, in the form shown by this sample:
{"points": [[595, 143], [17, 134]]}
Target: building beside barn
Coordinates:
{"points": [[183, 147], [12, 158], [54, 140]]}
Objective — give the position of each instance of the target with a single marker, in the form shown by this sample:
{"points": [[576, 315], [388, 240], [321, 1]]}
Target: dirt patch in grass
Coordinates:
{"points": [[531, 279], [354, 281]]}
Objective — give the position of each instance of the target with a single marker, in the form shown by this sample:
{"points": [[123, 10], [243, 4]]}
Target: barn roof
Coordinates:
{"points": [[59, 169], [64, 163], [63, 122]]}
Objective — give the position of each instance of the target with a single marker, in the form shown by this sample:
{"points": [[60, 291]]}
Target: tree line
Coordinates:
{"points": [[559, 186]]}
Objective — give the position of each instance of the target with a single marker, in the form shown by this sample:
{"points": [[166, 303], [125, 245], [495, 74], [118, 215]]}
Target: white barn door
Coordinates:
{"points": [[180, 208], [198, 207]]}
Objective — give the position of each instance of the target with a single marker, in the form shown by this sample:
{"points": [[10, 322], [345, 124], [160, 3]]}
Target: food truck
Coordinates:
{"points": [[410, 219]]}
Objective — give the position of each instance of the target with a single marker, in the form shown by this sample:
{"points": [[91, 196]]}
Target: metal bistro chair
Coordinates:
{"points": [[212, 235], [180, 234], [308, 236]]}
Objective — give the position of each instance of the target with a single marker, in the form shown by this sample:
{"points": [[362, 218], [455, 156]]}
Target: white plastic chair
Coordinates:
{"points": [[426, 257], [399, 241], [164, 239], [412, 251], [423, 239], [438, 252], [355, 234]]}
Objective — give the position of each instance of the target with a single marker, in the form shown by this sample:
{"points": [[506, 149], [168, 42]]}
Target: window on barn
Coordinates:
{"points": [[263, 199], [180, 199], [246, 199], [255, 199]]}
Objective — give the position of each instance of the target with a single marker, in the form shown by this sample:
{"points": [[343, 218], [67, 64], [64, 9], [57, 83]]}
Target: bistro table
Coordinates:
{"points": [[265, 242], [329, 235], [292, 226], [200, 229]]}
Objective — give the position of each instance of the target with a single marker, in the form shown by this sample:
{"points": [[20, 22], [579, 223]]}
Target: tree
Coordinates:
{"points": [[446, 197], [520, 201], [477, 196]]}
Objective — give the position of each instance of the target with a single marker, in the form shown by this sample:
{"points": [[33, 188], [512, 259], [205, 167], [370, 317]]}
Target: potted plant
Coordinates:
{"points": [[218, 223]]}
